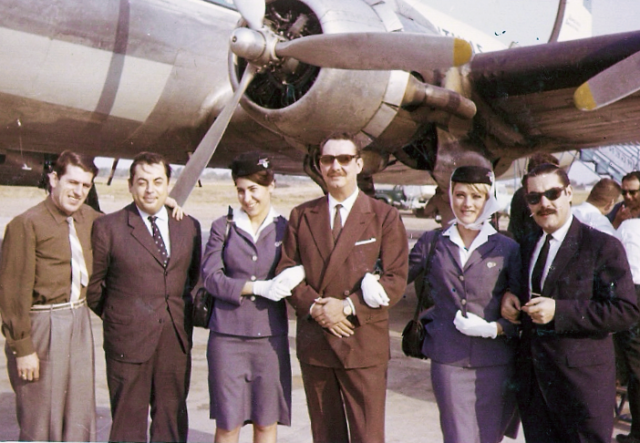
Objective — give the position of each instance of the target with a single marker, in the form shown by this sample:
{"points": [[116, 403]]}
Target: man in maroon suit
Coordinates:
{"points": [[145, 265], [354, 251]]}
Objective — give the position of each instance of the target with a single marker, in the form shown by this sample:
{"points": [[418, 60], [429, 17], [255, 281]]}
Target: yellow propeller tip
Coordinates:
{"points": [[462, 52], [583, 98]]}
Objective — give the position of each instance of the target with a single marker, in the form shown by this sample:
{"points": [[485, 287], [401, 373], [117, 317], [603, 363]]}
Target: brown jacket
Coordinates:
{"points": [[131, 290], [372, 231]]}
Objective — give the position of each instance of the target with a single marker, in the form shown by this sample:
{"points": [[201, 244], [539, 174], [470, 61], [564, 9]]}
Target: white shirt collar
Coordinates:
{"points": [[162, 214], [243, 222], [483, 236], [347, 203]]}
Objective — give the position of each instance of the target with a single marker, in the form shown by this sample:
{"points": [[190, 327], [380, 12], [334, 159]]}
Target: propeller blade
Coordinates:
{"points": [[252, 11], [609, 86], [378, 51], [206, 148]]}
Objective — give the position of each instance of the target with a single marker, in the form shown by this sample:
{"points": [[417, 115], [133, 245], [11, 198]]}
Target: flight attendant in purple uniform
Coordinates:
{"points": [[471, 347], [248, 350]]}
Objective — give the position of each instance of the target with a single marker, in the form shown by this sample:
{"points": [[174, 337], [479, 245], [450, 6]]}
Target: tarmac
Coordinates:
{"points": [[411, 411]]}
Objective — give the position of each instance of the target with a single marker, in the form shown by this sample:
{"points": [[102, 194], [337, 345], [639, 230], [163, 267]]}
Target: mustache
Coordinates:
{"points": [[545, 211]]}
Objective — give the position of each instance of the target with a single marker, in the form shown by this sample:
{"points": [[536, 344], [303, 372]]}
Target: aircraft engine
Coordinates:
{"points": [[304, 102]]}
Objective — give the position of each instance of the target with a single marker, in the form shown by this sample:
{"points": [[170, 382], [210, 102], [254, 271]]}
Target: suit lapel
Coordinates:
{"points": [[140, 232], [482, 251], [359, 218], [317, 219], [452, 250], [568, 249]]}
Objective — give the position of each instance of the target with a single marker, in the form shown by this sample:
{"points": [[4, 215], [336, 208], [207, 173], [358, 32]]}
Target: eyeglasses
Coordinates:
{"points": [[533, 198], [631, 192], [343, 159]]}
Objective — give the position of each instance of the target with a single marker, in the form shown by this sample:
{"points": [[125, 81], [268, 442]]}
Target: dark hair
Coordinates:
{"points": [[342, 136], [263, 178], [70, 158], [603, 192], [148, 158], [540, 158], [633, 175], [547, 168]]}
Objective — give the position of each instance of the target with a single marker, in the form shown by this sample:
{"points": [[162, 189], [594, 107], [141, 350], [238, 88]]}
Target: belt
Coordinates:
{"points": [[60, 306]]}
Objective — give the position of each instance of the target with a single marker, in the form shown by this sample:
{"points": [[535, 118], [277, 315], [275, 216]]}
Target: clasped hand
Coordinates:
{"points": [[328, 312], [475, 326], [541, 309]]}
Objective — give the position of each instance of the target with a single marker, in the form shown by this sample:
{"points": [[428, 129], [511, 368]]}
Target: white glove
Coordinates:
{"points": [[373, 292], [264, 288], [290, 277], [474, 326]]}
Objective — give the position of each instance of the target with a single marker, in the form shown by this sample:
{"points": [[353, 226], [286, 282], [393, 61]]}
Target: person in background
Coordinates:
{"points": [[354, 252], [248, 350], [630, 206], [145, 266], [521, 225], [46, 263], [472, 349], [628, 342], [602, 198], [580, 291]]}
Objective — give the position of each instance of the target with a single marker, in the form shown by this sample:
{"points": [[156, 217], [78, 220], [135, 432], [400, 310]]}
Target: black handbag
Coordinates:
{"points": [[203, 300], [414, 333]]}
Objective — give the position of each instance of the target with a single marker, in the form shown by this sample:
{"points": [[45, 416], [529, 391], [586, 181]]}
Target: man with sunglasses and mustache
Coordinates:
{"points": [[580, 290], [355, 255], [630, 206]]}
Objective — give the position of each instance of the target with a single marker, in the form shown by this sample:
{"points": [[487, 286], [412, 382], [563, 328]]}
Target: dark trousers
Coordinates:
{"points": [[627, 345], [544, 425], [346, 405], [162, 382]]}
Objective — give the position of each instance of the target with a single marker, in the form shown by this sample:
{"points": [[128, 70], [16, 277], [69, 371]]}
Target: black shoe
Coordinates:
{"points": [[622, 438]]}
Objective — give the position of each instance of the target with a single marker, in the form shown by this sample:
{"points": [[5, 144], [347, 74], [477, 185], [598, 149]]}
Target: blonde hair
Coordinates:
{"points": [[480, 188]]}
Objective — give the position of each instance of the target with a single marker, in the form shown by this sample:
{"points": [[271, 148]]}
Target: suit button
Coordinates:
{"points": [[253, 278], [252, 298], [346, 292], [461, 278], [464, 301], [254, 258]]}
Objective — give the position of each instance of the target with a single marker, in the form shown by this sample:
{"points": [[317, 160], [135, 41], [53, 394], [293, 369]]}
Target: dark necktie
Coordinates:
{"points": [[538, 269], [157, 238], [337, 224]]}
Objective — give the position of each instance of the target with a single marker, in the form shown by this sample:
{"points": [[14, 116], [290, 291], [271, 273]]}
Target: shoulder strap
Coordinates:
{"points": [[427, 269], [227, 227]]}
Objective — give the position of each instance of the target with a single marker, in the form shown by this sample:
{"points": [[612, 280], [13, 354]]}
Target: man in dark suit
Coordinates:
{"points": [[145, 265], [343, 306], [581, 291]]}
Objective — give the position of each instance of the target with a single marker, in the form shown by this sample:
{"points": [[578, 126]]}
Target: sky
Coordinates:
{"points": [[530, 21]]}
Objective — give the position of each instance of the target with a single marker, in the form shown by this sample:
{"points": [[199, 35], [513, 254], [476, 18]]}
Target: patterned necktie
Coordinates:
{"points": [[538, 269], [79, 274], [157, 238], [337, 224]]}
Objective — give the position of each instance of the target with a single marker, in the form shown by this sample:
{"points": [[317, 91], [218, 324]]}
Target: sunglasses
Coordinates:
{"points": [[631, 192], [343, 159], [533, 198]]}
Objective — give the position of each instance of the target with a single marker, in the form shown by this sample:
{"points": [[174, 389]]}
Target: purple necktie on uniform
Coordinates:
{"points": [[337, 224], [157, 238], [538, 269]]}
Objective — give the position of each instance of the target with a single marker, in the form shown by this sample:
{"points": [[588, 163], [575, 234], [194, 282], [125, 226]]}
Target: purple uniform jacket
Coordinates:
{"points": [[573, 356], [478, 286], [372, 231], [224, 275]]}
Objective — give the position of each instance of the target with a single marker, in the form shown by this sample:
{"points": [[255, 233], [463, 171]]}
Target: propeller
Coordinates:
{"points": [[610, 85], [378, 51], [252, 11], [207, 146]]}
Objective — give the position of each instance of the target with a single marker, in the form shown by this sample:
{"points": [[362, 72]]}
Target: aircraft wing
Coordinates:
{"points": [[525, 96]]}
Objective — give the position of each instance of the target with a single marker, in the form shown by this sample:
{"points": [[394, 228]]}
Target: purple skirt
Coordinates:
{"points": [[249, 380]]}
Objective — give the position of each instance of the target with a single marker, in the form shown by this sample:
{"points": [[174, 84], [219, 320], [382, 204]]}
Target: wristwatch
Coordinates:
{"points": [[346, 308]]}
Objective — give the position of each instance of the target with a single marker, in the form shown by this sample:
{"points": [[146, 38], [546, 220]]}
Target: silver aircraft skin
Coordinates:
{"points": [[114, 77]]}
